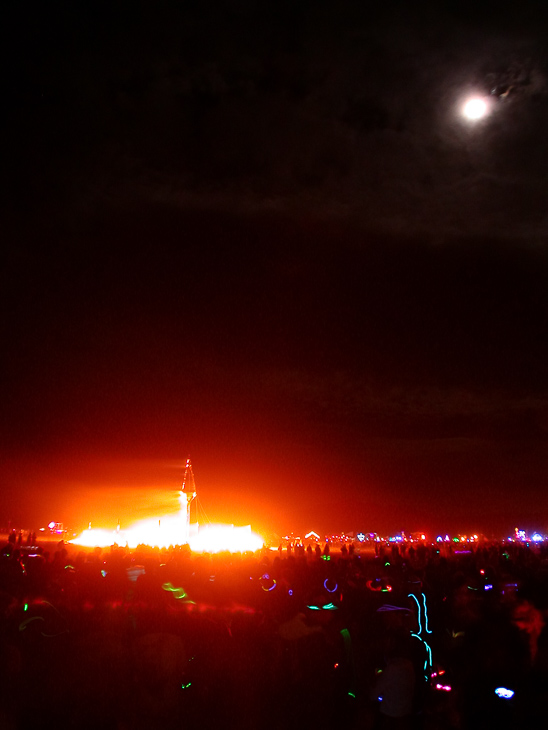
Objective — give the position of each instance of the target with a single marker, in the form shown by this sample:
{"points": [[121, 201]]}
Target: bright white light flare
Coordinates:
{"points": [[169, 530], [218, 538], [475, 109]]}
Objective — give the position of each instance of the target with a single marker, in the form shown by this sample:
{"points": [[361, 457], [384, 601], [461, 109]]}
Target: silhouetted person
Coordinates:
{"points": [[394, 687]]}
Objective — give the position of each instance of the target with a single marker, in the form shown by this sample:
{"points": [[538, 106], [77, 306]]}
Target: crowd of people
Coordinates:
{"points": [[414, 637]]}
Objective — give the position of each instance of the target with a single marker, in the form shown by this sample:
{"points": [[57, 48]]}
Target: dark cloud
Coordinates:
{"points": [[350, 110]]}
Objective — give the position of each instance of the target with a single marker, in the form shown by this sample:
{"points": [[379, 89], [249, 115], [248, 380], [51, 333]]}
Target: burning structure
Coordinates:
{"points": [[188, 495], [176, 529]]}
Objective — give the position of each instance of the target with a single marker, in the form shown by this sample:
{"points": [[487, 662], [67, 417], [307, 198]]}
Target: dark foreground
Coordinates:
{"points": [[165, 639]]}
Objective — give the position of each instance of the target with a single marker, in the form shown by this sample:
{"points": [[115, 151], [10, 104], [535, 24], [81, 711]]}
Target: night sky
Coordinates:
{"points": [[260, 233]]}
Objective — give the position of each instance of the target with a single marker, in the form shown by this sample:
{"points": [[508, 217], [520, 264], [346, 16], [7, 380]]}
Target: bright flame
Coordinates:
{"points": [[217, 538], [170, 530]]}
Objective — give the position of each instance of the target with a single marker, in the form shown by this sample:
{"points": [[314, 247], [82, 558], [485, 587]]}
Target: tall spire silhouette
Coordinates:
{"points": [[188, 490]]}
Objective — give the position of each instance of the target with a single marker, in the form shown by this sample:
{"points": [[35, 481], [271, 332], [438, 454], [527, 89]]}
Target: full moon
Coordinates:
{"points": [[475, 109]]}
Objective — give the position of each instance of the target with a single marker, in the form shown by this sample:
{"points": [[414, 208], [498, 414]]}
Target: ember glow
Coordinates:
{"points": [[217, 538], [169, 531], [176, 529]]}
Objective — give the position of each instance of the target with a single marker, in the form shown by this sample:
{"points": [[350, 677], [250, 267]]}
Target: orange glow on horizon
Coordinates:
{"points": [[170, 530], [219, 538], [107, 492]]}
